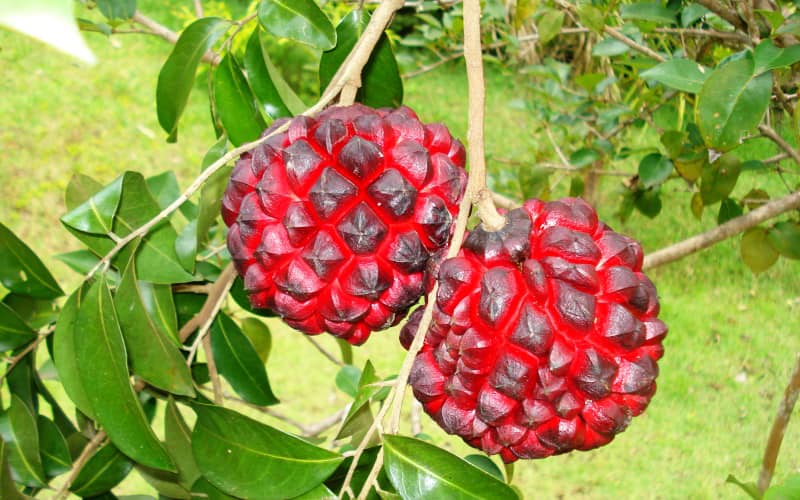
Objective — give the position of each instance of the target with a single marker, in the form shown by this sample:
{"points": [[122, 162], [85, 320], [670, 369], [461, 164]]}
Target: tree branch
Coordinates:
{"points": [[723, 231], [14, 361], [213, 374], [84, 457], [772, 135], [198, 8], [725, 13], [779, 428]]}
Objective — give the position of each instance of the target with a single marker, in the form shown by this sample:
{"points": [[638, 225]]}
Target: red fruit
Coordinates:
{"points": [[544, 336], [333, 221]]}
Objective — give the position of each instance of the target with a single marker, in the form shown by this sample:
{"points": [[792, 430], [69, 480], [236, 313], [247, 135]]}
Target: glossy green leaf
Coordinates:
{"points": [[176, 78], [240, 296], [156, 258], [549, 25], [768, 57], [756, 250], [14, 332], [336, 480], [654, 169], [213, 190], [153, 351], [105, 469], [608, 47], [80, 261], [732, 102], [265, 79], [36, 313], [728, 209], [719, 178], [210, 491], [259, 335], [591, 17], [648, 11], [164, 188], [235, 103], [648, 202], [321, 492], [787, 490], [186, 246], [54, 451], [679, 74], [785, 238], [165, 483], [238, 361], [102, 365], [178, 440], [692, 13], [248, 459], [96, 214], [421, 470], [117, 9], [21, 271], [299, 20], [49, 21], [583, 157], [64, 355], [381, 84], [486, 464], [8, 488], [18, 429], [79, 189], [347, 380], [359, 416]]}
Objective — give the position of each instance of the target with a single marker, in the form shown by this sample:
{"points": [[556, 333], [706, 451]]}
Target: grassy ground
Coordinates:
{"points": [[732, 337]]}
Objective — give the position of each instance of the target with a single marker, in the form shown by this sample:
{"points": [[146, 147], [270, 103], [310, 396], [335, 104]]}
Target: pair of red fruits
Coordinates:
{"points": [[545, 334]]}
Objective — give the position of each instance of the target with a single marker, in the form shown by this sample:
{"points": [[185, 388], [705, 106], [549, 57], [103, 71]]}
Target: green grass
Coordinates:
{"points": [[732, 336]]}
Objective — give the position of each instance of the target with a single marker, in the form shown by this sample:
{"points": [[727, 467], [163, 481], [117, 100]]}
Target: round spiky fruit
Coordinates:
{"points": [[333, 221], [544, 336]]}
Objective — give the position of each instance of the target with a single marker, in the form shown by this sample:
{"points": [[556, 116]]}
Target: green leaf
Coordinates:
{"points": [[347, 380], [359, 416], [238, 361], [768, 57], [648, 202], [165, 483], [583, 157], [176, 78], [421, 470], [80, 261], [788, 490], [49, 21], [102, 365], [18, 429], [591, 17], [248, 459], [120, 10], [8, 489], [96, 214], [54, 451], [106, 468], [533, 181], [235, 103], [64, 355], [756, 250], [153, 349], [654, 169], [36, 313], [728, 209], [382, 85], [21, 271], [785, 238], [692, 13], [213, 190], [178, 440], [608, 47], [732, 102], [14, 332], [486, 464], [549, 25], [696, 206], [719, 178], [186, 246], [259, 335], [648, 11], [299, 20], [211, 491], [80, 188], [680, 74], [321, 492], [265, 79]]}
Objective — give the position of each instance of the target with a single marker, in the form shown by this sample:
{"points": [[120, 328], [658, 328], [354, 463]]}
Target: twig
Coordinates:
{"points": [[504, 201], [212, 370], [216, 294], [723, 231], [203, 289], [614, 33], [772, 135], [779, 428], [564, 160], [725, 13], [87, 452], [702, 33], [198, 8], [169, 35], [324, 352], [13, 361], [416, 421], [752, 25]]}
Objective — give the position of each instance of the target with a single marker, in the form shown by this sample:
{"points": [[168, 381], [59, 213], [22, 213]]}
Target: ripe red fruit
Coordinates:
{"points": [[544, 336], [332, 222]]}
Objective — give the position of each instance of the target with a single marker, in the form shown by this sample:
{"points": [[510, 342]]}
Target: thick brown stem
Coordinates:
{"points": [[779, 428], [723, 231]]}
